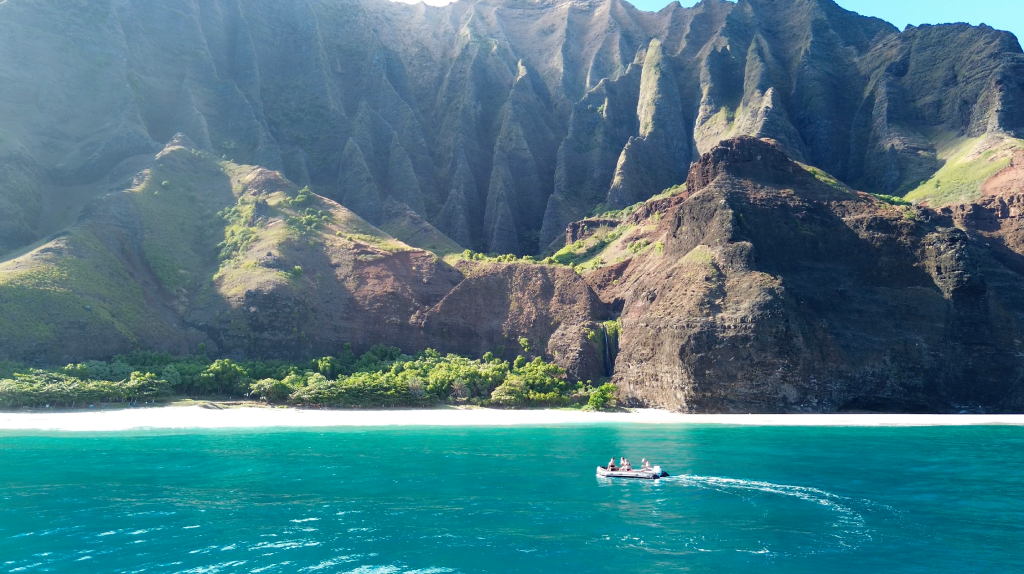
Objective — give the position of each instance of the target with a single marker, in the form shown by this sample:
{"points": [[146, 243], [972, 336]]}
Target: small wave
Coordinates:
{"points": [[375, 570], [265, 568], [331, 563], [213, 568], [286, 544]]}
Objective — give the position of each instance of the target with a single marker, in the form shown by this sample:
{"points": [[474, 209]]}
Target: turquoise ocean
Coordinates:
{"points": [[432, 500]]}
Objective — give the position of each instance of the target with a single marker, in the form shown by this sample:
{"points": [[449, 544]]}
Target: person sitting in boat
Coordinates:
{"points": [[647, 464], [625, 465], [611, 464]]}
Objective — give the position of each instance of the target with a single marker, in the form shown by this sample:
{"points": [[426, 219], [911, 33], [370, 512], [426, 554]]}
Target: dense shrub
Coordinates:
{"points": [[537, 383], [365, 390], [602, 398], [225, 377], [380, 377], [40, 388], [274, 390]]}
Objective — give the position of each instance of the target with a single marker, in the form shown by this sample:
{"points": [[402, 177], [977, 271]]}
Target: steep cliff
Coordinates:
{"points": [[496, 121]]}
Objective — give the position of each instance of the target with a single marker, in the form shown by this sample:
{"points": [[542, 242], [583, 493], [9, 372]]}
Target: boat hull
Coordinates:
{"points": [[652, 474]]}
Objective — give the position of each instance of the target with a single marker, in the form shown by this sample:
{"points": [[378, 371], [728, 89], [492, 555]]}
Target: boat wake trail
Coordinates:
{"points": [[851, 527]]}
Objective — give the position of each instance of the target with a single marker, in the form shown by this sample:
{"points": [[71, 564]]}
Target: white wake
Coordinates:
{"points": [[849, 521]]}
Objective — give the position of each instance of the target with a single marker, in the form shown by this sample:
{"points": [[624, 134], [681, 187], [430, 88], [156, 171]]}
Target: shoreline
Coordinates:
{"points": [[251, 417]]}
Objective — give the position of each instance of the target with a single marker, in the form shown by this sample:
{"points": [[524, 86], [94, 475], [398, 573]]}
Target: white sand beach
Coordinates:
{"points": [[199, 417]]}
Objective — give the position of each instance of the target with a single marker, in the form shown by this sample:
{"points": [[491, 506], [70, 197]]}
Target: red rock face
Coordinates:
{"points": [[1008, 182]]}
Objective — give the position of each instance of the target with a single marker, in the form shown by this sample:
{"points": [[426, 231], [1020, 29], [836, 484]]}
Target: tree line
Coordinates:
{"points": [[379, 378]]}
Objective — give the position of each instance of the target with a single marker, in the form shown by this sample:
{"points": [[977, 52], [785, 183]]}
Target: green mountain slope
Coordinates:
{"points": [[193, 232]]}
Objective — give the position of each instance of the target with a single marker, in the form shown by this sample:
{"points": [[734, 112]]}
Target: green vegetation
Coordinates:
{"points": [[701, 259], [602, 212], [826, 178], [470, 255], [613, 328], [639, 246], [415, 232], [309, 221], [381, 377], [302, 197], [891, 200], [81, 282], [537, 383], [525, 344], [609, 337], [969, 163], [585, 250], [238, 234], [602, 398], [586, 254], [38, 388]]}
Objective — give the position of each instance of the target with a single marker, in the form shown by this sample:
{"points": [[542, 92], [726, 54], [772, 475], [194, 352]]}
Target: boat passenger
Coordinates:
{"points": [[626, 466], [647, 464], [611, 464]]}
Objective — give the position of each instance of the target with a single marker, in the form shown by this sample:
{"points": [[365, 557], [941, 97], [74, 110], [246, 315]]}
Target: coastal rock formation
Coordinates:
{"points": [[760, 286], [679, 201], [776, 291]]}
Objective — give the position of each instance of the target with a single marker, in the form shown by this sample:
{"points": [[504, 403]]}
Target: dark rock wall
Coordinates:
{"points": [[777, 292]]}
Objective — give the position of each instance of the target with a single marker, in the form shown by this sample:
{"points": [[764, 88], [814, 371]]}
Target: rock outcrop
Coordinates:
{"points": [[775, 291]]}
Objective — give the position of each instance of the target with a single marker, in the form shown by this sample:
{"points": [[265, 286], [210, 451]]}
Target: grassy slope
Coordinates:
{"points": [[290, 222], [76, 279], [421, 235], [71, 280], [609, 246], [187, 203], [968, 163]]}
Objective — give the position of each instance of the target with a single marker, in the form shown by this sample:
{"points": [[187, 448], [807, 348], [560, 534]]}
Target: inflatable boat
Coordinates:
{"points": [[653, 473]]}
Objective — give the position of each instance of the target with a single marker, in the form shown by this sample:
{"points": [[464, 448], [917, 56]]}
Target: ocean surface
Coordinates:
{"points": [[433, 500]]}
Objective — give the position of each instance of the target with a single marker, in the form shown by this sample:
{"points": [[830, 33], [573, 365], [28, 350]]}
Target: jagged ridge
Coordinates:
{"points": [[497, 121]]}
